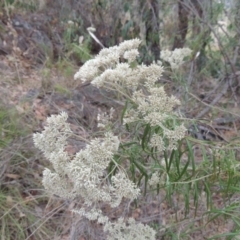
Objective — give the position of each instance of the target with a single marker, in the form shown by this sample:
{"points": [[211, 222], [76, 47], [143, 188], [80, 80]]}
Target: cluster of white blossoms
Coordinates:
{"points": [[155, 179], [85, 175], [121, 229], [129, 230], [52, 141], [155, 109], [109, 59], [111, 68], [175, 57], [156, 141], [104, 119]]}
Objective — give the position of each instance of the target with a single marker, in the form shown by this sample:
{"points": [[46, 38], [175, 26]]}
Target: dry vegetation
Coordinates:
{"points": [[40, 50]]}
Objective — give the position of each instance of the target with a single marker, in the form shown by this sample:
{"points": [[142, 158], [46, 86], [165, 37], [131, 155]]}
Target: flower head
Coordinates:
{"points": [[175, 57]]}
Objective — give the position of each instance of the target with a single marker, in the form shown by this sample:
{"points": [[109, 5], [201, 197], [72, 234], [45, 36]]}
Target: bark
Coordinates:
{"points": [[180, 36]]}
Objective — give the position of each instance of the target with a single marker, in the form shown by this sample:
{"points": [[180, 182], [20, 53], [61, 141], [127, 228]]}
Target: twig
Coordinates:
{"points": [[210, 106], [90, 31], [215, 100]]}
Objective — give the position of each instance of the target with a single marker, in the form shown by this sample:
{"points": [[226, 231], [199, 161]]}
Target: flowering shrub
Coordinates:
{"points": [[149, 114]]}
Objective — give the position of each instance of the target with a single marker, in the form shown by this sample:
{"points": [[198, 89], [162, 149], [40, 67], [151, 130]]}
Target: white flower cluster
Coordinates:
{"points": [[159, 177], [104, 119], [155, 179], [122, 229], [109, 70], [155, 109], [52, 141], [107, 67], [129, 230], [85, 174], [175, 58], [157, 141]]}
